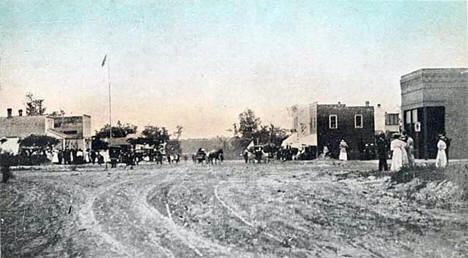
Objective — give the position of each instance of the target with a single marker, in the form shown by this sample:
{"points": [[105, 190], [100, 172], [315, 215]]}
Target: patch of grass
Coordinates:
{"points": [[456, 173], [459, 175]]}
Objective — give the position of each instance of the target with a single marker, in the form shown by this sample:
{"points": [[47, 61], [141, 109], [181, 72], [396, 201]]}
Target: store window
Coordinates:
{"points": [[414, 115], [408, 117]]}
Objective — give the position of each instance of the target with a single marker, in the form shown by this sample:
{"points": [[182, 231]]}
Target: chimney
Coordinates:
{"points": [[20, 112], [9, 110], [339, 103], [367, 103]]}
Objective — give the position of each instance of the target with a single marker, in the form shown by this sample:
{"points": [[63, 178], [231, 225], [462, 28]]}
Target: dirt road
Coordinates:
{"points": [[319, 209]]}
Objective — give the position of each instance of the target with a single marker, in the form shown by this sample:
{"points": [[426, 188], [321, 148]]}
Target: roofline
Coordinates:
{"points": [[422, 70], [84, 115], [344, 105]]}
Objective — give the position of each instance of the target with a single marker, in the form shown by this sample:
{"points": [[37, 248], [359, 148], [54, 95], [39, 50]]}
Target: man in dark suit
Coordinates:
{"points": [[382, 152]]}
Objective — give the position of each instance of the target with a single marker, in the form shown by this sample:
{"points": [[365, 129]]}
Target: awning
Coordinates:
{"points": [[57, 134], [296, 142], [117, 142], [292, 139]]}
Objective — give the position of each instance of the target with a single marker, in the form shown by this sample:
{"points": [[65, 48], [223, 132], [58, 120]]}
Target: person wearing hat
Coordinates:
{"points": [[397, 147], [382, 152], [441, 159], [404, 152], [447, 142], [409, 149]]}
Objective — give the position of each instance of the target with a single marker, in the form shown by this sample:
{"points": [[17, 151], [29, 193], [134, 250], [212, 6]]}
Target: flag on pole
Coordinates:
{"points": [[104, 61]]}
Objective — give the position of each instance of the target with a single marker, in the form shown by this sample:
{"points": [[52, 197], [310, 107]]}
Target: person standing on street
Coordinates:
{"points": [[441, 159], [409, 149], [382, 152], [447, 143], [245, 154], [343, 153], [397, 147]]}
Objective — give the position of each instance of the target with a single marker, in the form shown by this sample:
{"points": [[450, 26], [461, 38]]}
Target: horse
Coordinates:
{"points": [[215, 156]]}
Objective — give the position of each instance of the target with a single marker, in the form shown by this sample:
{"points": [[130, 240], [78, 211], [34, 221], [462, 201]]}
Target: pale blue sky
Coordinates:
{"points": [[200, 63]]}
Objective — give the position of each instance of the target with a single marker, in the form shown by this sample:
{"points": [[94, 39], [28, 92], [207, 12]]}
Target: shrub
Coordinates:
{"points": [[456, 173]]}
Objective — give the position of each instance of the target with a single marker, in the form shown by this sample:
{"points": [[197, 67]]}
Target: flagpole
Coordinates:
{"points": [[110, 99]]}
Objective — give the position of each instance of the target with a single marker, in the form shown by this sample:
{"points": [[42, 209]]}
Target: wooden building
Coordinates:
{"points": [[73, 132]]}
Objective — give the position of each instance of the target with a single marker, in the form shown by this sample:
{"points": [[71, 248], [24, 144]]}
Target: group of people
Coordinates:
{"points": [[76, 156], [402, 151]]}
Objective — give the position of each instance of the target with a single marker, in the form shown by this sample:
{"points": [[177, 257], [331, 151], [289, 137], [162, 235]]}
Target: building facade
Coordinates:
{"points": [[435, 101], [323, 125], [72, 131], [385, 121]]}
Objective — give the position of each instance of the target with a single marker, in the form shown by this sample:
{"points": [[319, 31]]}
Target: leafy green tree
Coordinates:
{"points": [[34, 106], [155, 135], [37, 143], [248, 124], [40, 141], [119, 130], [251, 128]]}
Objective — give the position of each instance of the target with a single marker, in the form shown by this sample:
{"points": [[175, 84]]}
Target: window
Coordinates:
{"points": [[408, 117], [415, 115], [333, 122], [358, 121], [391, 119], [70, 132]]}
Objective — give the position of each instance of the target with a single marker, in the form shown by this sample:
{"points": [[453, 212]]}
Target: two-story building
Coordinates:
{"points": [[386, 120], [322, 125], [72, 131]]}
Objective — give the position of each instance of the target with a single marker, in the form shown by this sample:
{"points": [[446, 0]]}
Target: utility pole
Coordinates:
{"points": [[110, 99]]}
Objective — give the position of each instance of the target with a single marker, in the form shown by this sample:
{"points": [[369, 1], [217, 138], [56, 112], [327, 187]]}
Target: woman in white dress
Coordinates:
{"points": [[343, 153], [441, 159], [55, 159], [404, 152], [397, 147]]}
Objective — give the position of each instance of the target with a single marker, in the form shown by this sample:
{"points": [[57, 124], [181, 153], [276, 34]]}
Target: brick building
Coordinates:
{"points": [[326, 124], [72, 131], [433, 101]]}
